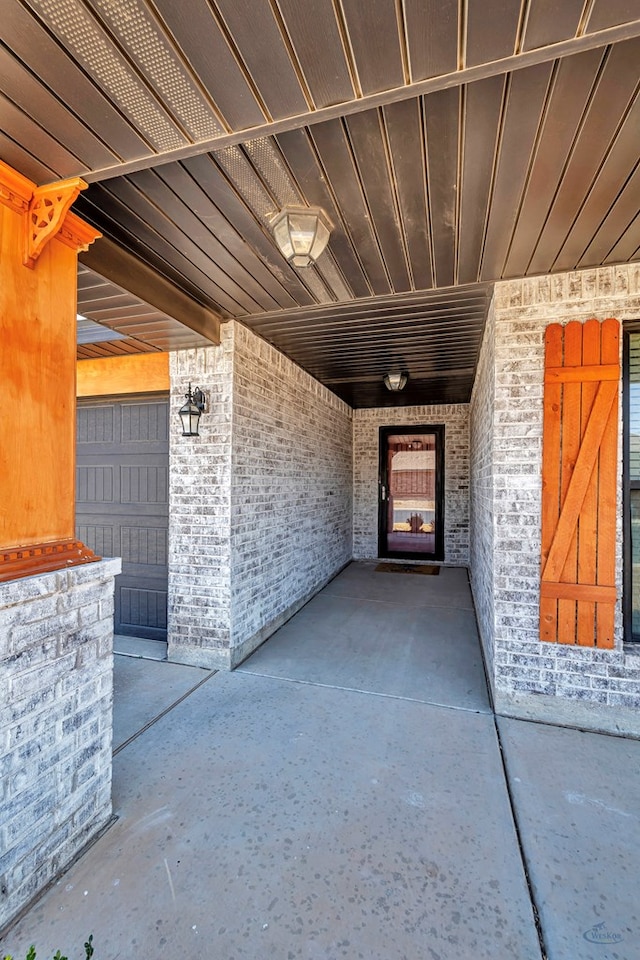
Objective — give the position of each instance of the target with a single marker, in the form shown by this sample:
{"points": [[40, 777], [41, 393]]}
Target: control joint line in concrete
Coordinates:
{"points": [[514, 816], [366, 693], [618, 734], [139, 656], [163, 713]]}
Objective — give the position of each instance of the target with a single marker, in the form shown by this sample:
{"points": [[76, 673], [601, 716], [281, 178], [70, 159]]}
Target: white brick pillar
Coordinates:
{"points": [[56, 696], [260, 503], [199, 593]]}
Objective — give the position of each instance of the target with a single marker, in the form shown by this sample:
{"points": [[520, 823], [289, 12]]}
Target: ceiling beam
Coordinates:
{"points": [[116, 264], [519, 61]]}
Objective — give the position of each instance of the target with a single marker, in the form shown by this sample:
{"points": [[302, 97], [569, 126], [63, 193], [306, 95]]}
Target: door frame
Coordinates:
{"points": [[631, 327], [383, 486]]}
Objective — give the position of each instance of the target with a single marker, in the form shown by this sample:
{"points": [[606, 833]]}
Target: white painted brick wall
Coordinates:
{"points": [[56, 693], [198, 606], [514, 358], [260, 503], [366, 424], [481, 504], [291, 497]]}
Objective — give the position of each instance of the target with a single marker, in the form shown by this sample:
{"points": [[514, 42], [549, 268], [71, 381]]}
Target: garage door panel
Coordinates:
{"points": [[95, 483], [140, 573], [122, 503], [143, 609], [145, 514], [99, 537], [95, 424], [144, 484], [118, 452], [144, 423], [144, 545]]}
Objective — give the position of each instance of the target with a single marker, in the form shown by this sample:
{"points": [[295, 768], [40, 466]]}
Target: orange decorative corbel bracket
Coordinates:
{"points": [[47, 210]]}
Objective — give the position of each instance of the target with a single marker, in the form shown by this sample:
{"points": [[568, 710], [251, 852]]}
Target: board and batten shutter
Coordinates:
{"points": [[579, 483]]}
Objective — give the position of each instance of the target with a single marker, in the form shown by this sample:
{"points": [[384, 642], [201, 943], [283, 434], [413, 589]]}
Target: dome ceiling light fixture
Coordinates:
{"points": [[301, 233], [395, 381]]}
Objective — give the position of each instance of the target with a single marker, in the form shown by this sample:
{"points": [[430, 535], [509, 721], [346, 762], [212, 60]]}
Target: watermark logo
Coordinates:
{"points": [[600, 934]]}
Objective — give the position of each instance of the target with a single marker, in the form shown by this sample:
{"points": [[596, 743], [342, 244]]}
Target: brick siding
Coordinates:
{"points": [[56, 693], [199, 569], [366, 424], [506, 498], [291, 495], [481, 500], [263, 498]]}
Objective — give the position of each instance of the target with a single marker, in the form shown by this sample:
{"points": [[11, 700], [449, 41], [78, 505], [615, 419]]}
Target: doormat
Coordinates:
{"points": [[408, 568]]}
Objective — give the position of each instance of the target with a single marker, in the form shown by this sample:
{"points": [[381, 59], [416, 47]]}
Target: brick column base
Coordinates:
{"points": [[56, 693]]}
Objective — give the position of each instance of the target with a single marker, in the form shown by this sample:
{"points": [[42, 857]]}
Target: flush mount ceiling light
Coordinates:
{"points": [[301, 233], [395, 381]]}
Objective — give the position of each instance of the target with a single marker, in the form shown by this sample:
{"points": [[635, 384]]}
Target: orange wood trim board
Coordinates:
{"points": [[15, 190], [77, 234], [110, 376], [578, 591], [551, 435], [587, 543], [43, 558], [605, 371]]}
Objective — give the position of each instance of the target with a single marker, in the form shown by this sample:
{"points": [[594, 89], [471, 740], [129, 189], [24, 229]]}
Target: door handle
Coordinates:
{"points": [[383, 492]]}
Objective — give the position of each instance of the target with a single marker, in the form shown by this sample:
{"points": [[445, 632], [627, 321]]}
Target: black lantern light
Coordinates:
{"points": [[190, 413]]}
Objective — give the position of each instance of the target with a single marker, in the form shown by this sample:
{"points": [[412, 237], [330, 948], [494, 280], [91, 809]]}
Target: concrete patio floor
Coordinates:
{"points": [[347, 792]]}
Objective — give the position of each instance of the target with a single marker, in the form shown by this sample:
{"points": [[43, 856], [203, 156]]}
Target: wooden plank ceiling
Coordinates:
{"points": [[138, 326], [452, 143]]}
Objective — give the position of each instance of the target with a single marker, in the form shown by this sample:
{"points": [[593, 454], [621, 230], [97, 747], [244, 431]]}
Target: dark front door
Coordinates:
{"points": [[122, 503], [411, 508]]}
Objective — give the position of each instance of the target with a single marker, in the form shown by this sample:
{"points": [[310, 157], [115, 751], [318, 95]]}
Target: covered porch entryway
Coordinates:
{"points": [[472, 175], [358, 799]]}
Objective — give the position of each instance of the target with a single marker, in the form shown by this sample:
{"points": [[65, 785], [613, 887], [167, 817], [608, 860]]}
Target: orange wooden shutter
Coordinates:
{"points": [[579, 483]]}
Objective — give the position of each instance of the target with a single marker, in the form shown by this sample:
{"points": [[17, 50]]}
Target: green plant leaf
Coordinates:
{"points": [[31, 952]]}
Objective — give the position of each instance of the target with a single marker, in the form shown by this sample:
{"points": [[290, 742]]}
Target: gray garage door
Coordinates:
{"points": [[122, 503]]}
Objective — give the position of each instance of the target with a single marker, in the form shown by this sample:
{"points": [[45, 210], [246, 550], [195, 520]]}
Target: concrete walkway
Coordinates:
{"points": [[348, 792]]}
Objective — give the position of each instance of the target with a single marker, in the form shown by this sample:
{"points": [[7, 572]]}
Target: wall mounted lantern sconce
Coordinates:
{"points": [[395, 381], [301, 233], [191, 412]]}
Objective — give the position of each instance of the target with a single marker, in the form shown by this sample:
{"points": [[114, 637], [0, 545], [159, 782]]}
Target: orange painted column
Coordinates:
{"points": [[39, 243]]}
